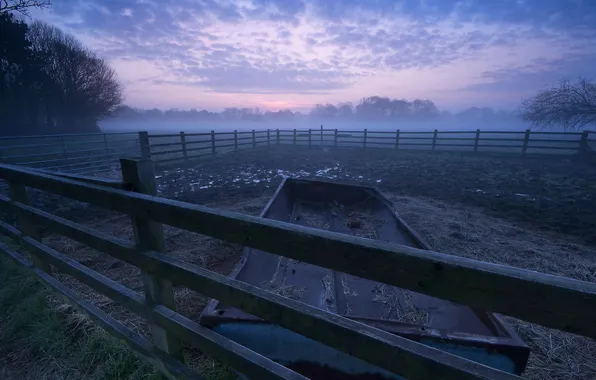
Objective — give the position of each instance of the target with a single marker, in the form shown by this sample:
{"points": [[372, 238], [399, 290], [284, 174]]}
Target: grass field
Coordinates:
{"points": [[38, 328], [532, 213]]}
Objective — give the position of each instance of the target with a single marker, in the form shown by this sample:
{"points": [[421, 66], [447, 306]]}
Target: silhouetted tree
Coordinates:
{"points": [[570, 105], [326, 111], [20, 78], [49, 82], [21, 6], [345, 110], [79, 88]]}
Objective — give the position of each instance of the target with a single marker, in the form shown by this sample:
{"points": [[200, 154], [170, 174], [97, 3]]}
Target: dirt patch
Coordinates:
{"points": [[445, 197], [551, 194], [313, 216], [361, 221], [469, 232], [462, 231]]}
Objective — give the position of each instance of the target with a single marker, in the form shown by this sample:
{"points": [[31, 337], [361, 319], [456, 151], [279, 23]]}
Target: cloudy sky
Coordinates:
{"points": [[294, 53]]}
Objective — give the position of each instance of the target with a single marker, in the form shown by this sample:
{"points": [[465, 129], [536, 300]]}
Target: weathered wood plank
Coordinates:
{"points": [[149, 236], [170, 367], [237, 356], [10, 231], [476, 139], [15, 256], [212, 142], [184, 150], [113, 183], [18, 193], [144, 144], [526, 141], [386, 350], [552, 301]]}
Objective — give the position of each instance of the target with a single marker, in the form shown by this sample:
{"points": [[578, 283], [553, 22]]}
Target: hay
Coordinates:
{"points": [[361, 222], [348, 291], [468, 232], [310, 217], [400, 309], [328, 293], [190, 247], [282, 289]]}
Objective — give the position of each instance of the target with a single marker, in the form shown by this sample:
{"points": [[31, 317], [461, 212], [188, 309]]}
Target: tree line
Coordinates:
{"points": [[374, 108], [49, 82]]}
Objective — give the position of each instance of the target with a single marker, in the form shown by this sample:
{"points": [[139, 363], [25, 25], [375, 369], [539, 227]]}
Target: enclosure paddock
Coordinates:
{"points": [[510, 291], [100, 152], [230, 181]]}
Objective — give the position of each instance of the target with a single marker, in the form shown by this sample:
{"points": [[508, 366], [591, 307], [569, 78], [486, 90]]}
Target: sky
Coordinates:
{"points": [[292, 54]]}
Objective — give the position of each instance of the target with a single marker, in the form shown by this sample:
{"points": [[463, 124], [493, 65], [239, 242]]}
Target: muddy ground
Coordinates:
{"points": [[551, 194], [531, 213]]}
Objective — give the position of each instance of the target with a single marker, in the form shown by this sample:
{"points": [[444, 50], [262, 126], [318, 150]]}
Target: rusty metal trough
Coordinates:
{"points": [[362, 211]]}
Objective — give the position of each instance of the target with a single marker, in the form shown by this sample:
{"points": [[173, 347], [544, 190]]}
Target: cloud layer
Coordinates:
{"points": [[292, 53]]}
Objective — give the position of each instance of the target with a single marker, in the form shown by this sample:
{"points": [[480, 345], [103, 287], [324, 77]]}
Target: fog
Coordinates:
{"points": [[441, 124]]}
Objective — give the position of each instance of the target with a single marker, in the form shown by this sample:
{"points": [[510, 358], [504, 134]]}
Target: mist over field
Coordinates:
{"points": [[154, 126], [185, 172]]}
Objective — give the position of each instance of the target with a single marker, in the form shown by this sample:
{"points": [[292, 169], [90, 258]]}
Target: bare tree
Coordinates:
{"points": [[22, 6], [79, 88], [570, 105]]}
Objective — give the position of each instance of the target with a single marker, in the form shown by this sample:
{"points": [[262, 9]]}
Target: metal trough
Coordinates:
{"points": [[362, 211]]}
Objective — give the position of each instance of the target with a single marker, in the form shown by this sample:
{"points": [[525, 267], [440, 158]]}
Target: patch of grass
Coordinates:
{"points": [[36, 342]]}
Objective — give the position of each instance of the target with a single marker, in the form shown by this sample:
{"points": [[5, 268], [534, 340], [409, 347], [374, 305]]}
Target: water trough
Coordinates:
{"points": [[362, 211]]}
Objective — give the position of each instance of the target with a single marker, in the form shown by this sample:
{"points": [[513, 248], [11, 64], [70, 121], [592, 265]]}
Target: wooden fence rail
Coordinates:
{"points": [[92, 153], [552, 301], [521, 142]]}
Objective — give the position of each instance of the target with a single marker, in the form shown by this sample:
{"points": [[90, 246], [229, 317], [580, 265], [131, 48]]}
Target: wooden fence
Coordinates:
{"points": [[166, 148], [552, 301], [92, 153]]}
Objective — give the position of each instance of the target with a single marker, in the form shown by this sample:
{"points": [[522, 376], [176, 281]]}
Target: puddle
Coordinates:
{"points": [[249, 176]]}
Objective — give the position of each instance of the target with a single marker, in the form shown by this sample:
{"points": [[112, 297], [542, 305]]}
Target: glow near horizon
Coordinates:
{"points": [[266, 56]]}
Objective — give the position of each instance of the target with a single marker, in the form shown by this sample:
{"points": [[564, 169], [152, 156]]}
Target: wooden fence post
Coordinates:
{"points": [[254, 139], [212, 142], [277, 130], [235, 140], [309, 137], [365, 137], [397, 139], [144, 143], [476, 140], [335, 138], [18, 193], [63, 143], [526, 140], [184, 152], [583, 143], [294, 136], [105, 147], [149, 236], [321, 135], [268, 137], [435, 138]]}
